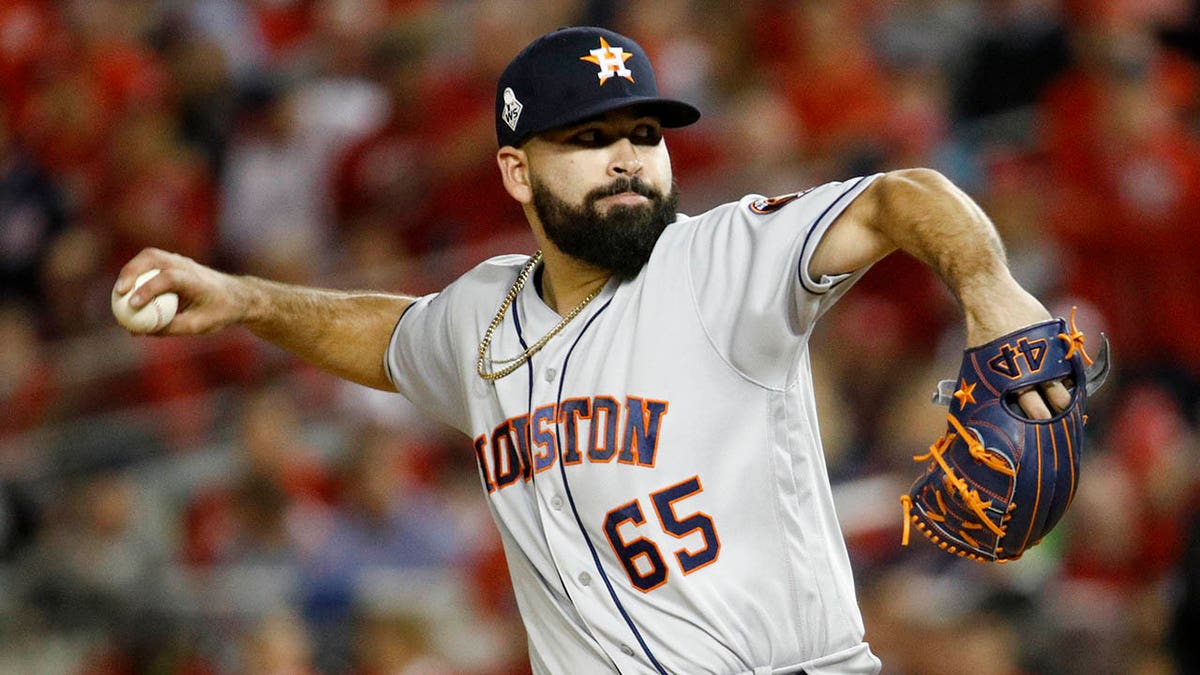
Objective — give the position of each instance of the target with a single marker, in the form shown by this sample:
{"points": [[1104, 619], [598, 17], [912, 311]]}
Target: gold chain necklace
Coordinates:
{"points": [[523, 357]]}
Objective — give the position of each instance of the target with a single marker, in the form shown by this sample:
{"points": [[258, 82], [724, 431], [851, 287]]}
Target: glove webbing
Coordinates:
{"points": [[970, 497]]}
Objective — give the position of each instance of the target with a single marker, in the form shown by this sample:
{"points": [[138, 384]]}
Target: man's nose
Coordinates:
{"points": [[625, 161]]}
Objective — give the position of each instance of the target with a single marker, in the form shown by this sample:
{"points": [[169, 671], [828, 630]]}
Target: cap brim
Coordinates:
{"points": [[671, 113]]}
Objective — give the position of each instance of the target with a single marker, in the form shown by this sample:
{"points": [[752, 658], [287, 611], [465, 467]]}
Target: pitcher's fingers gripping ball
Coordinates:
{"points": [[151, 317], [998, 481]]}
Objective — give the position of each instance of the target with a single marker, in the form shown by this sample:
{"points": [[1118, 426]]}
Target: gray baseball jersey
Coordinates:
{"points": [[656, 471]]}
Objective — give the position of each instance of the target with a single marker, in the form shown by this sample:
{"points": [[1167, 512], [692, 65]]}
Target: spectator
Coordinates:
{"points": [[273, 217], [93, 567], [382, 181], [386, 520], [278, 645], [1008, 67], [27, 387], [395, 644], [387, 517], [1126, 172], [157, 191], [1186, 621], [32, 215], [277, 468], [19, 521]]}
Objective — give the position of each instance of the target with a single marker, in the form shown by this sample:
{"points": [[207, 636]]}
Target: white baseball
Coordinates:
{"points": [[153, 316]]}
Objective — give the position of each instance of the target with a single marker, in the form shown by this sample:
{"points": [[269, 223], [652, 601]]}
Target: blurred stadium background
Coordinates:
{"points": [[209, 505]]}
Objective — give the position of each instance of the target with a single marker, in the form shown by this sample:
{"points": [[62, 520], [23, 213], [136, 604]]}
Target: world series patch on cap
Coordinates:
{"points": [[573, 74]]}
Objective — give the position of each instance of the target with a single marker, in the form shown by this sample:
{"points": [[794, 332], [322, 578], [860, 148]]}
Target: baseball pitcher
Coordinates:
{"points": [[638, 392]]}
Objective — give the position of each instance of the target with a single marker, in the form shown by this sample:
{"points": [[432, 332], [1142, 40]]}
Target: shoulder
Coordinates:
{"points": [[809, 202], [814, 201], [497, 268], [479, 288], [801, 209], [497, 271]]}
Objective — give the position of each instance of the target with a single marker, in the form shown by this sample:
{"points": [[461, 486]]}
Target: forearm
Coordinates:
{"points": [[344, 333], [925, 215]]}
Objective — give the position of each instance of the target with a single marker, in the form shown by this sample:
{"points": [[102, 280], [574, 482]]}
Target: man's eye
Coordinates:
{"points": [[647, 135], [590, 138]]}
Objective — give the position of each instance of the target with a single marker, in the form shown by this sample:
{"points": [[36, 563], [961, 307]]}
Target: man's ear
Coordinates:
{"points": [[514, 170]]}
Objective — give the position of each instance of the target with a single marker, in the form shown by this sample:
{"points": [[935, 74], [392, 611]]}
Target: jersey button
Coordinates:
{"points": [[626, 650], [585, 579], [551, 374], [556, 503]]}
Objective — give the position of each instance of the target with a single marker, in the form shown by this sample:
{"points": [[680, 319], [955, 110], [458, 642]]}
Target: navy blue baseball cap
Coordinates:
{"points": [[572, 74]]}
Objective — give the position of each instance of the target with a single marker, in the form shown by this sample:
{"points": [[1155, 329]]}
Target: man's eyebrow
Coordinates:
{"points": [[599, 117], [587, 121]]}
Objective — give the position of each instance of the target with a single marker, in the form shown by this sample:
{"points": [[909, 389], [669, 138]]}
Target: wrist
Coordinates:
{"points": [[998, 308], [251, 301]]}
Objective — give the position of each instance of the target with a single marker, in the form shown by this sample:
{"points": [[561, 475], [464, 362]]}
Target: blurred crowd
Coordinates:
{"points": [[209, 505]]}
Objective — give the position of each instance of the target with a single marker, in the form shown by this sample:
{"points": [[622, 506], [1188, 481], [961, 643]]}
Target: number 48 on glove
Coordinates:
{"points": [[997, 481]]}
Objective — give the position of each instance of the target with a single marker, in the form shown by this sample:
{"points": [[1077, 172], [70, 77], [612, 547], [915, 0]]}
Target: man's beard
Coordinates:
{"points": [[621, 240]]}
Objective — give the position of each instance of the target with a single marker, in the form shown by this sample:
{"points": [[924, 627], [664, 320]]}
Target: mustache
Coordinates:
{"points": [[625, 184]]}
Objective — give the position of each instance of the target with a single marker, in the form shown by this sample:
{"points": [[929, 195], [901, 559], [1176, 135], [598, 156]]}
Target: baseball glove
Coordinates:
{"points": [[997, 481]]}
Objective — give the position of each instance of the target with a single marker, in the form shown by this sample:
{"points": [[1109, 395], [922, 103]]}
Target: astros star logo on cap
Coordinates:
{"points": [[611, 61]]}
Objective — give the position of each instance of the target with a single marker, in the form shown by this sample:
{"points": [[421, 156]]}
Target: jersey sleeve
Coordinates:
{"points": [[749, 270], [422, 360]]}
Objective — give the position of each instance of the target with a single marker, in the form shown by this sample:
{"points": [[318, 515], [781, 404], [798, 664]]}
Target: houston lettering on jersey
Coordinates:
{"points": [[598, 429]]}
